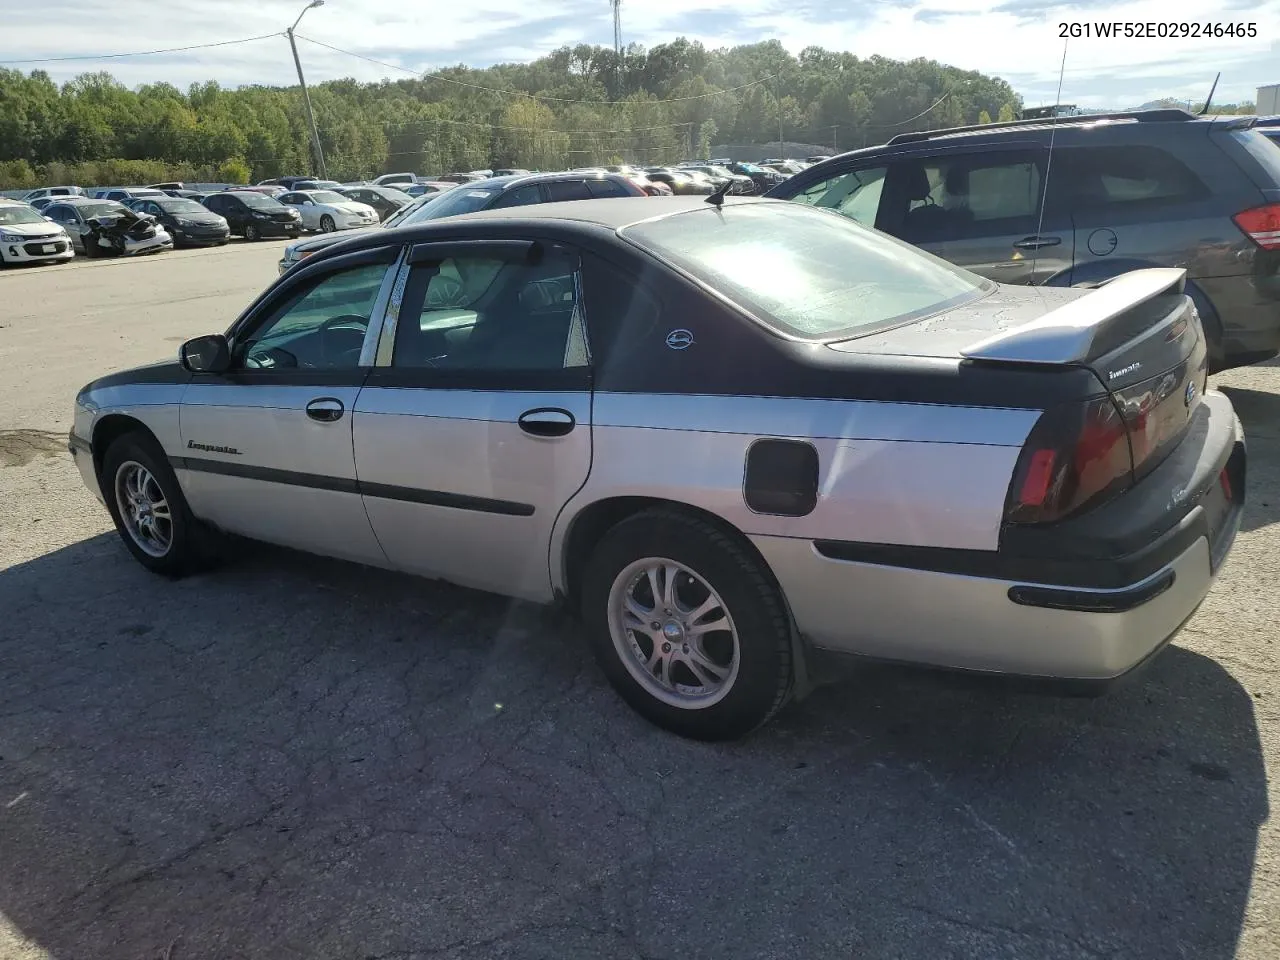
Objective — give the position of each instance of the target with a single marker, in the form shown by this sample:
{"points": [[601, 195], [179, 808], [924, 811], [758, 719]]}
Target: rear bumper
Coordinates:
{"points": [[1085, 599], [971, 623]]}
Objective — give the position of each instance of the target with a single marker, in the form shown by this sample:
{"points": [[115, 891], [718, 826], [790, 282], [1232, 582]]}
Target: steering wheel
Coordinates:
{"points": [[350, 355], [443, 291]]}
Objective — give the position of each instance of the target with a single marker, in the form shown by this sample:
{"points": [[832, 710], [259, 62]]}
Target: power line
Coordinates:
{"points": [[520, 93], [140, 53]]}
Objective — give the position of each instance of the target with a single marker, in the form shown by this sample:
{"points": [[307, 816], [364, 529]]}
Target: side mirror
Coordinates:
{"points": [[51, 220], [206, 354]]}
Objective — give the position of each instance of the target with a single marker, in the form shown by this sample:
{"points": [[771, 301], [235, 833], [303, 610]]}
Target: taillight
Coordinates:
{"points": [[1262, 224], [1076, 456]]}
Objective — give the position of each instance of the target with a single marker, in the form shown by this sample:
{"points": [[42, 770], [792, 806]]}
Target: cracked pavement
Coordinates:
{"points": [[291, 757]]}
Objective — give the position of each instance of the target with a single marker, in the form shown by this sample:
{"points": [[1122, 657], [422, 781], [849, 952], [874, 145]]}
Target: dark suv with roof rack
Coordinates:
{"points": [[1124, 191]]}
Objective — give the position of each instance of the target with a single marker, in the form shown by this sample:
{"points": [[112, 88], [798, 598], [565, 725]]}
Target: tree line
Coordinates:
{"points": [[574, 107]]}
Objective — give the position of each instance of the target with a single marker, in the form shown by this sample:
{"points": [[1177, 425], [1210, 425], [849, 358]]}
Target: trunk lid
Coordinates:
{"points": [[1139, 334]]}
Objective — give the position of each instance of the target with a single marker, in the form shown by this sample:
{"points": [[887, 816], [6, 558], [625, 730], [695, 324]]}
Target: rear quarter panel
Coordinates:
{"points": [[900, 473]]}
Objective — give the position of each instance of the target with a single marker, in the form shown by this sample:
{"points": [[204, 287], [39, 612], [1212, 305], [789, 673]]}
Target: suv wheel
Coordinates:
{"points": [[686, 625]]}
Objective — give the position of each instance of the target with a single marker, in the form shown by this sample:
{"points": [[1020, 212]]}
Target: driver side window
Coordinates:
{"points": [[321, 327], [855, 194]]}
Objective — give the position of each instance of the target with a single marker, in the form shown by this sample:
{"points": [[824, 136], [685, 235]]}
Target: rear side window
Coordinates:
{"points": [[606, 188], [1112, 177], [567, 190]]}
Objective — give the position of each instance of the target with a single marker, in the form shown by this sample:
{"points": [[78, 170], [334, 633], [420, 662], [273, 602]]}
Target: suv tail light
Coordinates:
{"points": [[1262, 224], [1076, 456]]}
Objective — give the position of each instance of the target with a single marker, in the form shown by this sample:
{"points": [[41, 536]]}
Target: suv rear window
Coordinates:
{"points": [[1107, 176], [807, 272]]}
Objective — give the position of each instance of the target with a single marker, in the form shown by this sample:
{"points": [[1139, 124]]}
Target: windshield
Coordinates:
{"points": [[459, 200], [807, 272], [750, 168], [260, 201], [16, 214], [180, 206], [327, 196]]}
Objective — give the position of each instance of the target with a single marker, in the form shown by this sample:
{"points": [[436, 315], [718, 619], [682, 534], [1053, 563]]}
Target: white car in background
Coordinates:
{"points": [[27, 237], [327, 211]]}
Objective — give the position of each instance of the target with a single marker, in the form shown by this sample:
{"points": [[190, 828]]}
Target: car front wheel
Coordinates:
{"points": [[327, 224], [687, 626], [251, 232], [150, 513]]}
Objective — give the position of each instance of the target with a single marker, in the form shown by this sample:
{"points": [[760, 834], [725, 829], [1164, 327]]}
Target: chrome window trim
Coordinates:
{"points": [[389, 295]]}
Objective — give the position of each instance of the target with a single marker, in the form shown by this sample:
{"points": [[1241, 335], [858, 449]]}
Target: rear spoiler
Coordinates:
{"points": [[1073, 333]]}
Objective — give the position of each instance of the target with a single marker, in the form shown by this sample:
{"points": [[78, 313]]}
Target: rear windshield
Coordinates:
{"points": [[807, 272], [260, 201]]}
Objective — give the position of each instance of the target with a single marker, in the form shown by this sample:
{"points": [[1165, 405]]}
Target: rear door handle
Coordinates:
{"points": [[325, 409], [547, 422], [1035, 243]]}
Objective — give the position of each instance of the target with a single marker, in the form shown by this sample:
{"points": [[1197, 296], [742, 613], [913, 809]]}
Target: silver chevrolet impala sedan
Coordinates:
{"points": [[729, 434]]}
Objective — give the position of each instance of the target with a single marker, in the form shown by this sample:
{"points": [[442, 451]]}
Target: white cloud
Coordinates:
{"points": [[1017, 40]]}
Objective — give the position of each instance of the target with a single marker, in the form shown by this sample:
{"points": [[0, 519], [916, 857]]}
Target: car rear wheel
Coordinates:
{"points": [[688, 627], [326, 224], [251, 232], [150, 513]]}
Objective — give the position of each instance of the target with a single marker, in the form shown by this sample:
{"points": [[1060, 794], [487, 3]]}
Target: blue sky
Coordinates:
{"points": [[1014, 39]]}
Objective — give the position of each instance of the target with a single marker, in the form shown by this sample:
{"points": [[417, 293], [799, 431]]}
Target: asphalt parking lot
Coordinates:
{"points": [[297, 758]]}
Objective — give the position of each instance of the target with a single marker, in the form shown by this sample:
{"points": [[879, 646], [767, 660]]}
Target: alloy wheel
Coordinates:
{"points": [[144, 509], [673, 633]]}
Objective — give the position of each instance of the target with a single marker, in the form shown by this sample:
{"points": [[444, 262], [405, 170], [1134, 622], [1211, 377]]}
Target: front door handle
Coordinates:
{"points": [[325, 409], [1035, 243], [547, 422]]}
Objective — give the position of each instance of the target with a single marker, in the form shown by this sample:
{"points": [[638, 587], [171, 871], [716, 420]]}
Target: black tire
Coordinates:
{"points": [[251, 232], [191, 543], [326, 224], [90, 249], [765, 675]]}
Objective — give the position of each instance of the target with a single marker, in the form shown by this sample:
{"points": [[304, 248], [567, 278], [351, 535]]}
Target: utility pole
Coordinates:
{"points": [[317, 153], [777, 95], [834, 147]]}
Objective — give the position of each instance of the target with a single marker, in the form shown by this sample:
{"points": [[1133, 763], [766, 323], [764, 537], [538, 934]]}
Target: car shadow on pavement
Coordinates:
{"points": [[290, 757], [1259, 412]]}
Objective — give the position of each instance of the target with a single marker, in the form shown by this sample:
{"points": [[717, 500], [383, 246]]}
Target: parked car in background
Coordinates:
{"points": [[328, 210], [426, 187], [384, 200], [819, 159], [287, 182], [763, 178], [742, 184], [191, 224], [652, 187], [510, 172], [681, 182], [196, 195], [28, 237], [255, 215], [39, 203], [42, 192], [494, 194], [462, 177], [788, 168], [460, 429], [267, 190], [167, 186], [100, 228], [316, 185], [1124, 191], [394, 179], [125, 194]]}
